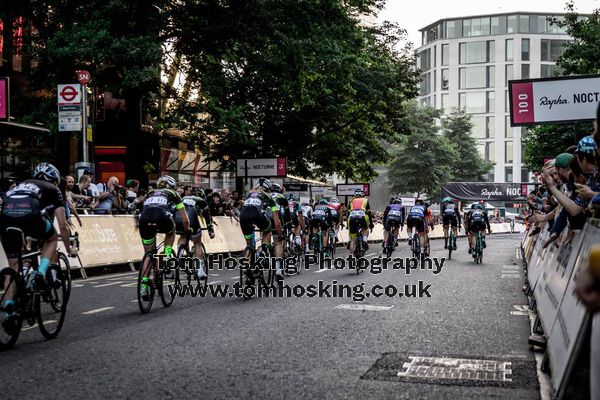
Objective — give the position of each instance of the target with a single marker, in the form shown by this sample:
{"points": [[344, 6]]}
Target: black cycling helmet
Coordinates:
{"points": [[359, 193], [396, 200], [264, 183], [277, 188], [323, 201], [47, 172], [419, 201], [197, 191]]}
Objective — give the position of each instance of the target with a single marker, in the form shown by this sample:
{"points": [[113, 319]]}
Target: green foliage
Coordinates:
{"points": [[582, 54], [421, 163], [292, 78], [467, 166]]}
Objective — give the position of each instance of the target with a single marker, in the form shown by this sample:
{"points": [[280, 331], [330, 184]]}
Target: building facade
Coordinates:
{"points": [[467, 63]]}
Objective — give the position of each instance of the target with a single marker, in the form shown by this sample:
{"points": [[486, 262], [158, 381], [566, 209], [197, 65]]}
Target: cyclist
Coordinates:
{"points": [[323, 219], [478, 221], [336, 210], [195, 204], [359, 219], [416, 220], [157, 217], [260, 210], [450, 217], [307, 212], [31, 206], [286, 222], [394, 214], [296, 214]]}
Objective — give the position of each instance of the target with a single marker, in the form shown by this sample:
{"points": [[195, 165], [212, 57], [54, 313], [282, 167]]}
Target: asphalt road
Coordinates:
{"points": [[288, 348]]}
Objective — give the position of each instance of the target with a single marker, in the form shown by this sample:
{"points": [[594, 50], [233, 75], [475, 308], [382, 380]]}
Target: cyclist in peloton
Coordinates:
{"points": [[478, 221], [31, 206], [296, 214], [394, 213], [286, 221], [336, 212], [359, 219], [194, 201], [416, 219], [322, 218], [157, 217], [307, 211], [260, 210], [450, 217]]}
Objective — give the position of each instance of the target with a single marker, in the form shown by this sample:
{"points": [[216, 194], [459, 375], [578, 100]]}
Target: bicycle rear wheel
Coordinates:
{"points": [[167, 282], [203, 283], [8, 339], [146, 304], [65, 267], [51, 305], [450, 245]]}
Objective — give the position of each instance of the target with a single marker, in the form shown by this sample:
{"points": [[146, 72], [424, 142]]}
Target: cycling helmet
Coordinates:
{"points": [[166, 182], [359, 193], [478, 206], [292, 197], [276, 188], [419, 201], [396, 200], [198, 192], [447, 200], [305, 204], [264, 183], [587, 145], [47, 172], [334, 200], [323, 201]]}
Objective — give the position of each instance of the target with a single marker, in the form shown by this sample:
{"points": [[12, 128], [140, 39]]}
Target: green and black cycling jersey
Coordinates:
{"points": [[165, 199], [284, 208], [201, 207], [262, 201]]}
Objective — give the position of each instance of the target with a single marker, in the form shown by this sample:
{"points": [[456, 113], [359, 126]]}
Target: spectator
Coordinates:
{"points": [[82, 193], [65, 186], [208, 192], [217, 206], [111, 198], [132, 185], [235, 196]]}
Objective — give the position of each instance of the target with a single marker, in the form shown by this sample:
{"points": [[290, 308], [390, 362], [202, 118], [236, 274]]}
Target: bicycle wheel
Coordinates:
{"points": [[246, 274], [450, 245], [203, 283], [8, 339], [51, 305], [65, 267], [167, 283], [146, 304], [183, 252]]}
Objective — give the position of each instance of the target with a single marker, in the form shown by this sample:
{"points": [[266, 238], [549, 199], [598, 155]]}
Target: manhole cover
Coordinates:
{"points": [[455, 371]]}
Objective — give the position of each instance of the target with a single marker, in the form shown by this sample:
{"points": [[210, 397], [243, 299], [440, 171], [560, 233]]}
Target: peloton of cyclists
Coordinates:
{"points": [[450, 218]]}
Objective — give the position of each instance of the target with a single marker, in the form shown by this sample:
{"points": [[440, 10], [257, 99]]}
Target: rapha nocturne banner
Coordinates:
{"points": [[473, 191]]}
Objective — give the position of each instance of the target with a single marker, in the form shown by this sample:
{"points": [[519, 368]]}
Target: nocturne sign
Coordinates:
{"points": [[473, 191]]}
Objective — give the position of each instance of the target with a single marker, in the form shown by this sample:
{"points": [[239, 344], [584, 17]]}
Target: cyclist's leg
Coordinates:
{"points": [[325, 233], [421, 226], [353, 228]]}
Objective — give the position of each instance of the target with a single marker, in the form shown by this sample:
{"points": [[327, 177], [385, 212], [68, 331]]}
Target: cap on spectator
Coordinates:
{"points": [[587, 145], [563, 160]]}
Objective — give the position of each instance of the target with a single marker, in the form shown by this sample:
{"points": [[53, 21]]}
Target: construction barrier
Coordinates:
{"points": [[551, 277]]}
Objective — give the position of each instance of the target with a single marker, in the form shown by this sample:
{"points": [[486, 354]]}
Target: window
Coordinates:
{"points": [[524, 23], [510, 49], [507, 102], [491, 76], [485, 26], [479, 127], [524, 71], [508, 73], [508, 174], [511, 24], [548, 71], [425, 84], [490, 127], [541, 24], [491, 51], [552, 27], [445, 54], [473, 102], [466, 27], [490, 152], [524, 175], [473, 78], [490, 102], [508, 152], [445, 103], [425, 60], [434, 81], [451, 30], [508, 130], [473, 52], [552, 49], [495, 26], [445, 78], [525, 49], [425, 101]]}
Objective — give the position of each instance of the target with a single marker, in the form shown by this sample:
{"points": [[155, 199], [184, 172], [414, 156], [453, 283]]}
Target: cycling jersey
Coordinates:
{"points": [[359, 216], [418, 211], [295, 210], [393, 213], [450, 215], [194, 207], [156, 216], [321, 217], [260, 200], [478, 220], [164, 199], [257, 210]]}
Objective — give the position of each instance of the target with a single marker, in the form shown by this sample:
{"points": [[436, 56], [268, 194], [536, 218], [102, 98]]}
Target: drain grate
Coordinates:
{"points": [[456, 371]]}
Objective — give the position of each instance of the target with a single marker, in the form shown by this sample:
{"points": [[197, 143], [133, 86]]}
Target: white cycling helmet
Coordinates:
{"points": [[265, 184], [167, 182], [47, 172], [334, 200]]}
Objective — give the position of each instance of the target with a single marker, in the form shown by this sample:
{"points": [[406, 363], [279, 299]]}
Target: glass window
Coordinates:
{"points": [[445, 78], [451, 29], [473, 102], [476, 27], [491, 76], [508, 130], [474, 52], [511, 24], [495, 26], [434, 87], [508, 73], [490, 154], [490, 127], [491, 51], [524, 175], [466, 27], [434, 56], [485, 26], [425, 101], [552, 27], [425, 84], [549, 71], [524, 23], [507, 102], [525, 49], [472, 78], [479, 127], [424, 60], [508, 151], [510, 49], [541, 24], [508, 174], [445, 103], [445, 54], [552, 49], [490, 102], [525, 71]]}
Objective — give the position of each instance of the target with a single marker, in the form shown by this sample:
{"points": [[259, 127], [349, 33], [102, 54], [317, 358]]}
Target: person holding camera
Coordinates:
{"points": [[111, 198]]}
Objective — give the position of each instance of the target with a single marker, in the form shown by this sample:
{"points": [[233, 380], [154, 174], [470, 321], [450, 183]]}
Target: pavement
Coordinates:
{"points": [[468, 340]]}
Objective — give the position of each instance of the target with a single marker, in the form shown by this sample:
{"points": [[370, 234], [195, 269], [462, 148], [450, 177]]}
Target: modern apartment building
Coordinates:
{"points": [[467, 63]]}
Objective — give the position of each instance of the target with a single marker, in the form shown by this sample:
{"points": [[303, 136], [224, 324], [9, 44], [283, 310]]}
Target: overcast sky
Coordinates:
{"points": [[413, 15]]}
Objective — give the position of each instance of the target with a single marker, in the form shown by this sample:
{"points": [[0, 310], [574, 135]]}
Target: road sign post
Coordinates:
{"points": [[84, 77]]}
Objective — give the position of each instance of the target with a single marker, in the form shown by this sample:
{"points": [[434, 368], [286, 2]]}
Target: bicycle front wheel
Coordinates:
{"points": [[203, 283], [145, 300], [65, 267], [9, 330], [51, 304], [167, 284]]}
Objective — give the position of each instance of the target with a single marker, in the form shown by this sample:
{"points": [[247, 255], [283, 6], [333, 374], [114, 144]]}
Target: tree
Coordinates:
{"points": [[468, 166], [421, 163], [299, 79]]}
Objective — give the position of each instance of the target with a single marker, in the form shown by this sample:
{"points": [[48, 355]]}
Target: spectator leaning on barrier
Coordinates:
{"points": [[111, 198], [217, 206], [81, 193]]}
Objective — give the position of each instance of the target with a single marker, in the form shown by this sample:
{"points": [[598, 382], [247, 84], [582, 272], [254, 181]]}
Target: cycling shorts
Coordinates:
{"points": [[20, 214], [322, 223], [155, 220], [391, 223], [194, 223], [251, 216], [450, 220], [416, 222], [357, 224], [476, 226]]}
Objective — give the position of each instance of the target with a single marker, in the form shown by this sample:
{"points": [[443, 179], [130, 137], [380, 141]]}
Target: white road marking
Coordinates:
{"points": [[97, 310], [511, 267], [321, 270], [76, 285], [213, 274], [109, 284], [133, 284], [52, 321], [123, 277], [235, 278], [370, 255], [362, 307], [113, 276], [214, 282], [510, 276], [519, 313], [134, 301]]}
